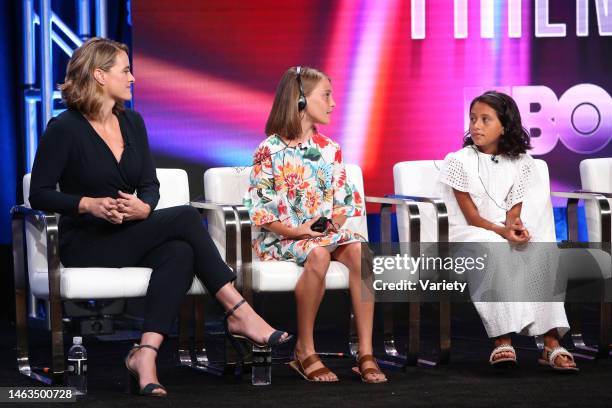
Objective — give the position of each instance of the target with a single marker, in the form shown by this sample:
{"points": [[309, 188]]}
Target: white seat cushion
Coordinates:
{"points": [[100, 283], [282, 276]]}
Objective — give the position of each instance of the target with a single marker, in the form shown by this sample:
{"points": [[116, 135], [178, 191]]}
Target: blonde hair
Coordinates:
{"points": [[284, 118], [80, 90]]}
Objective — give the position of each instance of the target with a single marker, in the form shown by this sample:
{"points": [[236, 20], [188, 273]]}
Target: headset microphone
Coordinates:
{"points": [[301, 102]]}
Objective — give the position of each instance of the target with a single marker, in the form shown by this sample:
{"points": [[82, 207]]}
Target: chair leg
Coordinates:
{"points": [[414, 333], [353, 339], [604, 329], [55, 302], [21, 309], [57, 341], [194, 357], [445, 331], [184, 349], [585, 351], [539, 342], [389, 330], [200, 345]]}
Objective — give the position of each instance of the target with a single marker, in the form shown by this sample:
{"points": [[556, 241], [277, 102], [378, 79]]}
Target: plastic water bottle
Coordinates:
{"points": [[76, 373], [261, 369]]}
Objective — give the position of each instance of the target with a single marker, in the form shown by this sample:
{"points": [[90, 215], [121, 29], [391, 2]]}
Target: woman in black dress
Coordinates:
{"points": [[99, 154]]}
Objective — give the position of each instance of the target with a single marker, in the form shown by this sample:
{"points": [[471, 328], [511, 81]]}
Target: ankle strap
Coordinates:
{"points": [[233, 309], [147, 346], [365, 358]]}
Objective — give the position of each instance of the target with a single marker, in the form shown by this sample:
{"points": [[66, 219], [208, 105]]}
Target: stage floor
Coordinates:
{"points": [[467, 381]]}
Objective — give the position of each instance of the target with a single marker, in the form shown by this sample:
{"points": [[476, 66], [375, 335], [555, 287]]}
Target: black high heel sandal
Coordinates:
{"points": [[132, 383], [274, 340], [237, 340]]}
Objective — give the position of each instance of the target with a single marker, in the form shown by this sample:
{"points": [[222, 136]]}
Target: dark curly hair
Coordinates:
{"points": [[515, 139]]}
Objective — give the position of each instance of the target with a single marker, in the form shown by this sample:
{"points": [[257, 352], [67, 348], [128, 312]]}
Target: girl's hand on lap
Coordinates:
{"points": [[304, 231], [516, 231]]}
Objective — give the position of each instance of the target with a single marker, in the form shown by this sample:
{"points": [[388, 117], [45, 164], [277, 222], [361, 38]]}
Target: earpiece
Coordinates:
{"points": [[301, 102]]}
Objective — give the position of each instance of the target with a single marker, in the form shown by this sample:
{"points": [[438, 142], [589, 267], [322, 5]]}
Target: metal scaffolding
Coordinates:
{"points": [[40, 22]]}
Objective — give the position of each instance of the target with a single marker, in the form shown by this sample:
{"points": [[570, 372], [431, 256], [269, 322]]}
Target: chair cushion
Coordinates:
{"points": [[282, 276], [100, 283]]}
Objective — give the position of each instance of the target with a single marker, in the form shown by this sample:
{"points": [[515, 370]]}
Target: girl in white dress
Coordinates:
{"points": [[485, 185]]}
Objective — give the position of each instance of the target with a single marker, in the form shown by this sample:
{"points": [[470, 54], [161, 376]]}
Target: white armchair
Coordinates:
{"points": [[416, 180], [228, 185], [48, 280], [596, 179]]}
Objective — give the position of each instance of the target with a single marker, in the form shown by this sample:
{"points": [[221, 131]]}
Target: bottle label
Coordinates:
{"points": [[77, 367]]}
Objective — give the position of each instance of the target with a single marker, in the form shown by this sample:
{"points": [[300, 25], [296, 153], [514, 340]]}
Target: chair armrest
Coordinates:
{"points": [[572, 214], [46, 223], [607, 195], [245, 277], [439, 208], [38, 218], [414, 217], [230, 225]]}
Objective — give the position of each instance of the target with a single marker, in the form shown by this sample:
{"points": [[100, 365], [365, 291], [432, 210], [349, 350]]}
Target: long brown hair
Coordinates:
{"points": [[80, 90], [284, 118], [515, 140]]}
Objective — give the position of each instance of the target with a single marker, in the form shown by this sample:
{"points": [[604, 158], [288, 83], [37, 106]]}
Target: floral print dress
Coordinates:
{"points": [[293, 185]]}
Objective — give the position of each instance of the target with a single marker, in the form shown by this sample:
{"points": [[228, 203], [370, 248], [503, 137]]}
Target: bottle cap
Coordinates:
{"points": [[77, 340]]}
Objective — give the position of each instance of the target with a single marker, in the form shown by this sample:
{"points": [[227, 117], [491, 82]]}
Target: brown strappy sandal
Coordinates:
{"points": [[363, 373], [301, 366]]}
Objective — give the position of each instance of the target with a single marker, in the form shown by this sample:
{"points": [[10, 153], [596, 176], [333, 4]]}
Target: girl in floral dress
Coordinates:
{"points": [[297, 177]]}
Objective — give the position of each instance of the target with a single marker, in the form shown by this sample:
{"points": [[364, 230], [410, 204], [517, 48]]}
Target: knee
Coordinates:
{"points": [[317, 262], [187, 215], [352, 256], [182, 257], [354, 251]]}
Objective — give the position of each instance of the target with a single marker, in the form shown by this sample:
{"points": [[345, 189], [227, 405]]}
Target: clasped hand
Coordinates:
{"points": [[515, 231], [127, 207]]}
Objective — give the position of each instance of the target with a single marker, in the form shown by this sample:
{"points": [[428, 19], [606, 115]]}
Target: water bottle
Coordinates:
{"points": [[76, 373], [261, 369]]}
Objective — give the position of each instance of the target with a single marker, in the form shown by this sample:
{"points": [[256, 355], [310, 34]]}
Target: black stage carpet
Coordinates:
{"points": [[466, 382]]}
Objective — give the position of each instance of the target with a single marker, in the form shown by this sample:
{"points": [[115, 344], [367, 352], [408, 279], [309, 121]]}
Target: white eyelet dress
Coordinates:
{"points": [[512, 273]]}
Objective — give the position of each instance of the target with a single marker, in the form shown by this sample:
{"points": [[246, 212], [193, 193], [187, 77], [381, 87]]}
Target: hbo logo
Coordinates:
{"points": [[581, 118]]}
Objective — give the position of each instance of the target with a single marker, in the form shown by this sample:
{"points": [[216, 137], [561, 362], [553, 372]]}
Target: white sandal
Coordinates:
{"points": [[503, 362], [551, 356]]}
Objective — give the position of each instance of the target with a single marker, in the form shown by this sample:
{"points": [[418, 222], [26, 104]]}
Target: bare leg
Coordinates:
{"points": [[244, 320], [309, 292], [143, 360], [350, 255], [551, 340]]}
